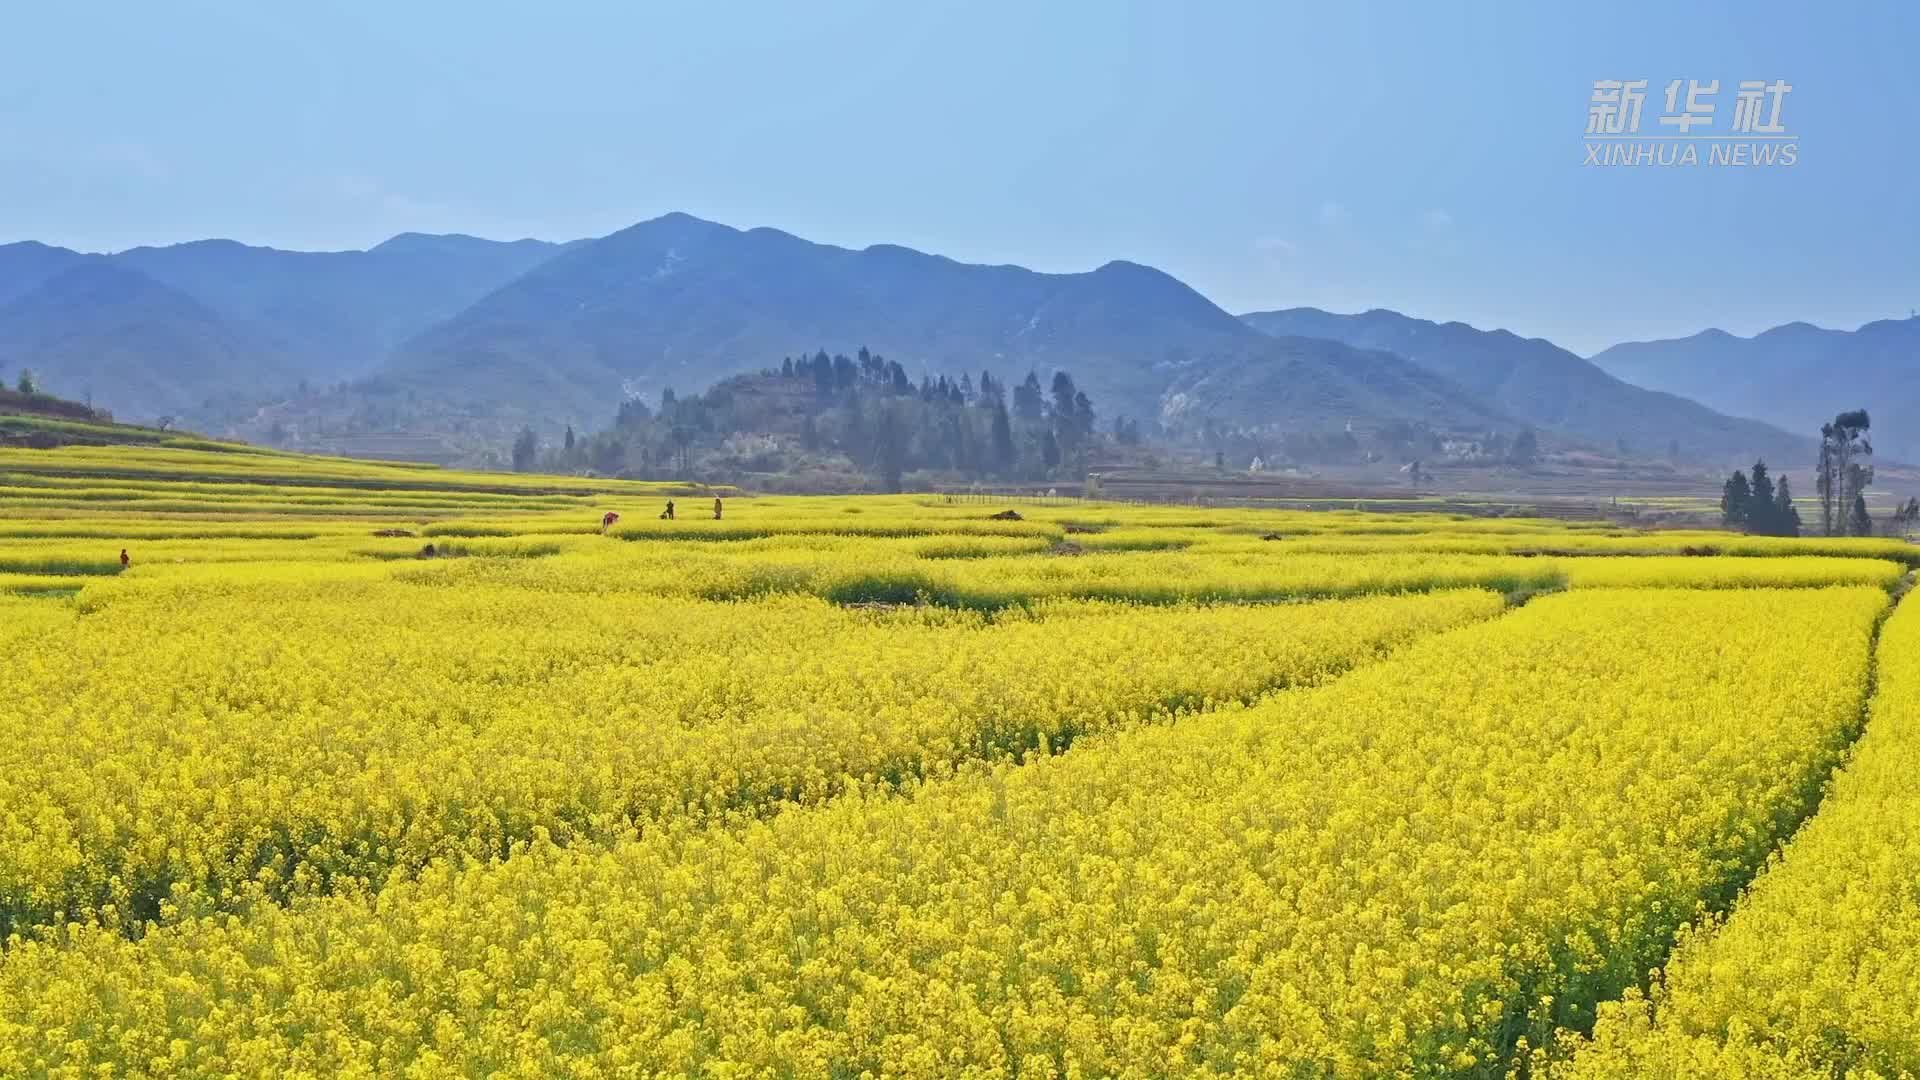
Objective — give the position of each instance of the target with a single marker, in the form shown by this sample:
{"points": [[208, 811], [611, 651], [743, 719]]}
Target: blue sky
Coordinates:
{"points": [[1426, 158]]}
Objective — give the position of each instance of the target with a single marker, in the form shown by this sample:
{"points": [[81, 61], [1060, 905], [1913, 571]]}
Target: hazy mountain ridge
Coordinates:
{"points": [[1545, 385], [1796, 375], [1321, 384], [216, 320], [455, 334], [101, 331], [678, 301], [25, 265]]}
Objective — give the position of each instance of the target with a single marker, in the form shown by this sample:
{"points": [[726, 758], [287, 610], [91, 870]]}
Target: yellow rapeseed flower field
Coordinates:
{"points": [[1416, 869], [1817, 971], [382, 725], [370, 769]]}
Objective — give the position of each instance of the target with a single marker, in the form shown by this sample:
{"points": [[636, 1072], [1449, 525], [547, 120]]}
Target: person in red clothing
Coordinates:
{"points": [[125, 559], [609, 521]]}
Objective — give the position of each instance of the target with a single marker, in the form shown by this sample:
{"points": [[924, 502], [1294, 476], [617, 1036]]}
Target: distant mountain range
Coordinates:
{"points": [[1796, 376], [170, 329], [453, 334], [1545, 385], [678, 301]]}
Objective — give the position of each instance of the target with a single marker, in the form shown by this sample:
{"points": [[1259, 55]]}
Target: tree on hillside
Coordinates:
{"points": [[891, 428], [1735, 498], [1003, 453], [992, 392], [1063, 397], [1905, 516], [524, 449], [569, 442], [1844, 471], [889, 449], [632, 413], [1786, 519], [1859, 523], [1757, 505], [1028, 404], [1525, 449], [1760, 485], [27, 384]]}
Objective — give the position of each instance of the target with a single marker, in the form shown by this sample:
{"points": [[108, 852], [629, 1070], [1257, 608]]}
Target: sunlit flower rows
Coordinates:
{"points": [[371, 769], [285, 741], [1817, 971], [1424, 867]]}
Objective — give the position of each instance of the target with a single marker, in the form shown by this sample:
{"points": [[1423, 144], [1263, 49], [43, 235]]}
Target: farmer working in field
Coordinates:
{"points": [[125, 559], [716, 509], [609, 521], [667, 514]]}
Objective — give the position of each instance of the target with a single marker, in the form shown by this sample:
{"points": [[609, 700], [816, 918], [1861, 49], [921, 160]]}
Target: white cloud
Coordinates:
{"points": [[1333, 214], [1278, 246], [1436, 221]]}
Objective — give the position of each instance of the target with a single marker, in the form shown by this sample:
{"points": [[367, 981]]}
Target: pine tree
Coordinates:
{"points": [[1734, 498], [1526, 447], [1063, 397], [889, 449], [524, 449], [1028, 402], [1760, 509], [1761, 488], [569, 442], [1003, 449], [822, 370], [1083, 414], [1786, 519], [1860, 523]]}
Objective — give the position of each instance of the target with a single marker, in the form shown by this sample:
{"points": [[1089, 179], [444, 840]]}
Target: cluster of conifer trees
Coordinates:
{"points": [[868, 410], [1758, 505]]}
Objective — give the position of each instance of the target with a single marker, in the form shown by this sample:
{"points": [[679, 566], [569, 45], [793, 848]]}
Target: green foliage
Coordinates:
{"points": [[1759, 506], [1844, 471], [1525, 449], [860, 418], [524, 449], [1735, 497], [1859, 522]]}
